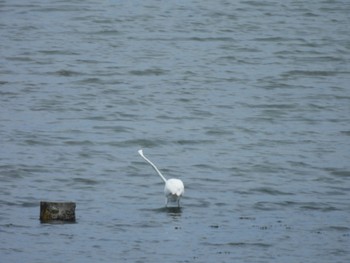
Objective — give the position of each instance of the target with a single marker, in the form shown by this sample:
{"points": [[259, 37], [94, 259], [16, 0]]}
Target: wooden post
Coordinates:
{"points": [[57, 212]]}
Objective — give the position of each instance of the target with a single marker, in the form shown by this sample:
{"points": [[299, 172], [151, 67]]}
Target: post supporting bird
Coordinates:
{"points": [[173, 189]]}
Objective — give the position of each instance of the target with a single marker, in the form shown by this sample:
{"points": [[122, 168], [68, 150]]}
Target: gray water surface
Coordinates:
{"points": [[247, 102]]}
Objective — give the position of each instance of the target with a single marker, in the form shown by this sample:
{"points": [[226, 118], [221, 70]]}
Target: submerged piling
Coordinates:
{"points": [[51, 212]]}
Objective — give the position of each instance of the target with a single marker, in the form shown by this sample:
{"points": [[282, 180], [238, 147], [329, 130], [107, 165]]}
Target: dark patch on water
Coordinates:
{"points": [[170, 210]]}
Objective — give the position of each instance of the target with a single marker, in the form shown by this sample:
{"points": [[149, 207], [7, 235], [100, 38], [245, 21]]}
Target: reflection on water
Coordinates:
{"points": [[169, 210], [174, 212]]}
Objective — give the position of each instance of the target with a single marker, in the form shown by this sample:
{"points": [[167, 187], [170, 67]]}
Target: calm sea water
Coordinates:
{"points": [[248, 102]]}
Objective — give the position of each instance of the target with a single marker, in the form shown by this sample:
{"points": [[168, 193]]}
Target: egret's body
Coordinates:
{"points": [[173, 189]]}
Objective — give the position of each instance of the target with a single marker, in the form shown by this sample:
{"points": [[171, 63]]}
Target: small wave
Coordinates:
{"points": [[192, 142], [148, 72], [271, 39], [309, 73], [270, 206], [341, 173], [20, 58], [30, 204], [107, 32], [345, 133], [38, 142], [85, 181], [84, 142], [239, 244], [318, 206], [211, 39], [92, 80], [247, 244], [58, 52], [66, 73], [257, 3], [142, 143], [3, 82], [270, 191], [116, 129], [336, 228]]}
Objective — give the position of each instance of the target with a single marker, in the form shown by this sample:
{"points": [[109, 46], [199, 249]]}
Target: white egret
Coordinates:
{"points": [[174, 188]]}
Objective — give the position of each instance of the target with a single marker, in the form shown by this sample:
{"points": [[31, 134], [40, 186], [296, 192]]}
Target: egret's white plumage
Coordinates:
{"points": [[174, 188]]}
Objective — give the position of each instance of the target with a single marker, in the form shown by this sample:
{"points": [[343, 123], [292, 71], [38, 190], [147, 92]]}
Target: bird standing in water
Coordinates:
{"points": [[174, 188]]}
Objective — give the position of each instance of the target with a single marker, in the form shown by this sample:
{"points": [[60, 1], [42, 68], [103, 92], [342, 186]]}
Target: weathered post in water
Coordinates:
{"points": [[57, 212]]}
